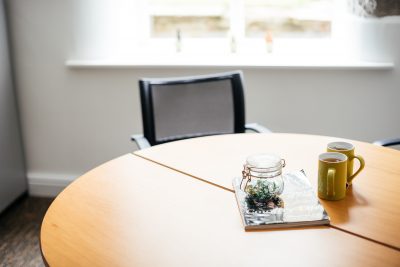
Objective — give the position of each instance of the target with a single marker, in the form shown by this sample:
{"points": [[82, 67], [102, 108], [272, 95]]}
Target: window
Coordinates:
{"points": [[288, 18], [193, 18], [126, 28], [235, 24], [245, 18]]}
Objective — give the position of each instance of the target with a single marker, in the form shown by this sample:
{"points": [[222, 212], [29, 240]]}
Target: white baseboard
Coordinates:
{"points": [[48, 184]]}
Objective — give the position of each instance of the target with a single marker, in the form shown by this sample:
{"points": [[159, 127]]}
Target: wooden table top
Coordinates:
{"points": [[371, 208], [133, 212]]}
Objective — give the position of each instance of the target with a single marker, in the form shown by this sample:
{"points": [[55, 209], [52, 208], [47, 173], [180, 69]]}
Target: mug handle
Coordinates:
{"points": [[330, 185], [362, 165]]}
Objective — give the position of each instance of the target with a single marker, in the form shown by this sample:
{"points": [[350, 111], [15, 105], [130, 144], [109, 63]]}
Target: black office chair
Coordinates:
{"points": [[388, 142], [186, 107]]}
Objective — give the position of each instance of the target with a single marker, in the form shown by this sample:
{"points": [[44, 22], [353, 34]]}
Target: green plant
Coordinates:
{"points": [[262, 196]]}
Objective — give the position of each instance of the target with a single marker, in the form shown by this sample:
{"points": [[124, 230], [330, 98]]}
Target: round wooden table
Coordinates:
{"points": [[173, 205]]}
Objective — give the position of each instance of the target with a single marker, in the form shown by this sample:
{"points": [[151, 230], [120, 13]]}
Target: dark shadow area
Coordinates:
{"points": [[19, 232]]}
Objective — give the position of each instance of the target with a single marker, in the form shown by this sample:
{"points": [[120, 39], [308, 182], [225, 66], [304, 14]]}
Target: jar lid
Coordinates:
{"points": [[264, 161]]}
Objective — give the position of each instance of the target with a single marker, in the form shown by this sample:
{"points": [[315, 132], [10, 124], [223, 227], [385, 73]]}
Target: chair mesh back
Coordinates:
{"points": [[189, 110]]}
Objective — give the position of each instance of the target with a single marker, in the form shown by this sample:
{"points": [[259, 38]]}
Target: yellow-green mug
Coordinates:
{"points": [[348, 150], [332, 176]]}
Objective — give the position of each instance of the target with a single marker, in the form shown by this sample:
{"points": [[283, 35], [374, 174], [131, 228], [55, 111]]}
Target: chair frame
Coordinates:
{"points": [[388, 142], [146, 84]]}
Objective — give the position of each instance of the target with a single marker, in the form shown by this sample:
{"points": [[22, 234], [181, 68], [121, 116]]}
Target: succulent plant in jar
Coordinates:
{"points": [[262, 181]]}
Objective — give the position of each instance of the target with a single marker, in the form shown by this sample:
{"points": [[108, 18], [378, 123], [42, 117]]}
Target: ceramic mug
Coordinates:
{"points": [[332, 176], [348, 150]]}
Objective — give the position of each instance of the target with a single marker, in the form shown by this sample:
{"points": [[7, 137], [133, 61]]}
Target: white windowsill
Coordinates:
{"points": [[352, 37], [229, 61], [214, 53]]}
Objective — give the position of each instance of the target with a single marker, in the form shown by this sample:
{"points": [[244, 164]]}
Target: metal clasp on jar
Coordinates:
{"points": [[249, 172]]}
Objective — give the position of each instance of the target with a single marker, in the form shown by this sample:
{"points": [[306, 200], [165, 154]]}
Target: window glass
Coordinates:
{"points": [[193, 18], [243, 18], [288, 18]]}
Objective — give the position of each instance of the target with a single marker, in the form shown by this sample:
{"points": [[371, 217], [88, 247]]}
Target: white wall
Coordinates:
{"points": [[75, 119], [12, 172]]}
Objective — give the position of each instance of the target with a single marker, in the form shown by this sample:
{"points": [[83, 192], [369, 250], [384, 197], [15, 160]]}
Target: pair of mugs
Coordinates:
{"points": [[335, 170]]}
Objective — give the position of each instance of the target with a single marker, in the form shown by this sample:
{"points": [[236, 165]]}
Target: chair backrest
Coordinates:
{"points": [[186, 107]]}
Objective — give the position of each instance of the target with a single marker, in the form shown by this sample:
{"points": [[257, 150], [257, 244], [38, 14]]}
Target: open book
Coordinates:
{"points": [[301, 206]]}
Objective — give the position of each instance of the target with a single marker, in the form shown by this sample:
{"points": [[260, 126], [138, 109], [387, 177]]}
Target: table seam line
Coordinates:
{"points": [[185, 173], [364, 237]]}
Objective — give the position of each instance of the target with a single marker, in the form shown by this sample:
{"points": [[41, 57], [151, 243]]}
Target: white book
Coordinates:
{"points": [[301, 206]]}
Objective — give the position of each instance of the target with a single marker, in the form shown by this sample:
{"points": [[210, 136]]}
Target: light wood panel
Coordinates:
{"points": [[132, 212], [370, 210]]}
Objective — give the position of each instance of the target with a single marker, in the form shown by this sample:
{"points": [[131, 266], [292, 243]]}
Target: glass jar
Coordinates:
{"points": [[262, 180]]}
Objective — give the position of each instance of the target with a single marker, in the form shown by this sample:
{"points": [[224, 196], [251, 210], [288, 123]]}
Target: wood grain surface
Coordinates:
{"points": [[132, 212], [371, 208]]}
